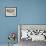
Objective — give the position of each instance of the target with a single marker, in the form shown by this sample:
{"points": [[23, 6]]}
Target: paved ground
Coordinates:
{"points": [[30, 43]]}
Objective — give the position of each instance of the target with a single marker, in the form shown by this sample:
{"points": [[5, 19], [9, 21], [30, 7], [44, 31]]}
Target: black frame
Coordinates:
{"points": [[10, 7]]}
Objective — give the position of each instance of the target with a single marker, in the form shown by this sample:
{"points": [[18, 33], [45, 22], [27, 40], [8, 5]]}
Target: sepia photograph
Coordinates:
{"points": [[10, 11]]}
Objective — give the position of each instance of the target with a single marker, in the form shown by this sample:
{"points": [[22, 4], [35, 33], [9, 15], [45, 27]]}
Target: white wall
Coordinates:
{"points": [[33, 27]]}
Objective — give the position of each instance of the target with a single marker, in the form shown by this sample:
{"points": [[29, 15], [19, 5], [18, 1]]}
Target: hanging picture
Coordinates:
{"points": [[10, 11]]}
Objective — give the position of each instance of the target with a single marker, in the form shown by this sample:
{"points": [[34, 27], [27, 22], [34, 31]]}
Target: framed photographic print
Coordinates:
{"points": [[33, 32], [10, 11]]}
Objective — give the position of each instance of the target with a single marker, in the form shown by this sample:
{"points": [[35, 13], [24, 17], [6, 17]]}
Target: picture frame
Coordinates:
{"points": [[37, 29], [10, 11]]}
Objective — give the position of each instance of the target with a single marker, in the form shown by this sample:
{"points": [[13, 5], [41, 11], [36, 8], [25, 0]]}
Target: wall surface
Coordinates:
{"points": [[28, 12], [33, 27]]}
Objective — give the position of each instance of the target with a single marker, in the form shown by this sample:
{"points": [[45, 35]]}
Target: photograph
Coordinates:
{"points": [[29, 34], [10, 11]]}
